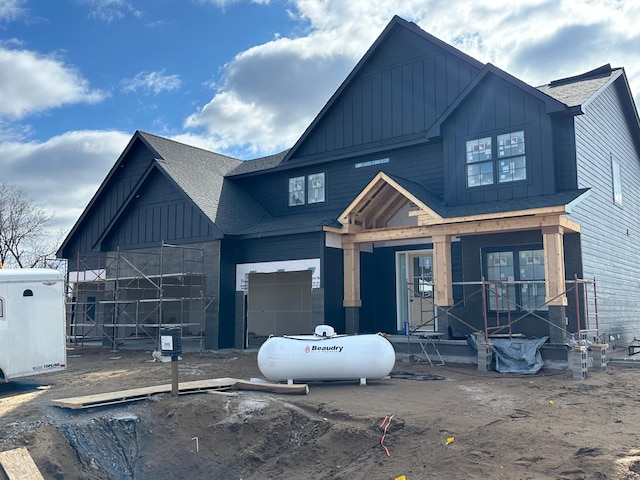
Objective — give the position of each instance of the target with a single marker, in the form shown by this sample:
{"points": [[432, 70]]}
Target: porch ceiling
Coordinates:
{"points": [[379, 202]]}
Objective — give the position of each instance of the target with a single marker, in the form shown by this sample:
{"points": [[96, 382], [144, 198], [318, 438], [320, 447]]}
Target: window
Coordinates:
{"points": [[617, 182], [509, 160], [309, 189], [296, 191], [525, 268], [370, 163], [316, 188]]}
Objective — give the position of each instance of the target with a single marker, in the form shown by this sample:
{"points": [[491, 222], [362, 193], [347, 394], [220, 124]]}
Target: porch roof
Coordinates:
{"points": [[368, 216]]}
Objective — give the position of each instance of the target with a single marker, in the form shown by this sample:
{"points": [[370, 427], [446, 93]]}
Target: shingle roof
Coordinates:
{"points": [[575, 91], [303, 222], [436, 203], [258, 164], [200, 174]]}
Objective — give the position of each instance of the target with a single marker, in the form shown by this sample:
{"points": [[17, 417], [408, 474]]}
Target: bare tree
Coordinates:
{"points": [[24, 237]]}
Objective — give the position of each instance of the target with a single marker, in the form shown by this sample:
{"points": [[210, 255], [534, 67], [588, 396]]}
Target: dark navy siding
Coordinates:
{"points": [[272, 249], [333, 285], [422, 164], [384, 300], [610, 232], [471, 310], [498, 107], [114, 194], [564, 144], [158, 213], [405, 86]]}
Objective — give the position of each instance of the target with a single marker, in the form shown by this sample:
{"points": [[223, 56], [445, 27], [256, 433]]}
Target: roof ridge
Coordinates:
{"points": [[601, 71], [147, 134]]}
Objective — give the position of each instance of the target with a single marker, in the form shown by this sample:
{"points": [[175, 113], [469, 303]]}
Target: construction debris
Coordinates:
{"points": [[198, 386], [18, 465]]}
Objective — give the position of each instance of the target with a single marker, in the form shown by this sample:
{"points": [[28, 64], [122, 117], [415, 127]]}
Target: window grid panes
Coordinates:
{"points": [[526, 269], [512, 164], [316, 188], [500, 268], [296, 191], [479, 162], [507, 164], [531, 269]]}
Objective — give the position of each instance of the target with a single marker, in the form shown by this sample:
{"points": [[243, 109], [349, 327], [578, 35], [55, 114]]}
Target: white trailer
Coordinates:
{"points": [[32, 322]]}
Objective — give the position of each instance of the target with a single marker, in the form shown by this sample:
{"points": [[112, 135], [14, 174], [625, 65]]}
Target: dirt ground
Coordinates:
{"points": [[450, 422]]}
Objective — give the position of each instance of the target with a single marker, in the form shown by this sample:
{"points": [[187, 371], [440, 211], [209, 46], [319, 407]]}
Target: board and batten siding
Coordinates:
{"points": [[498, 107], [159, 213], [609, 235], [401, 91], [111, 198]]}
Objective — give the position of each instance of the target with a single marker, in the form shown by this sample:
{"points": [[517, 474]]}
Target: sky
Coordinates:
{"points": [[241, 77]]}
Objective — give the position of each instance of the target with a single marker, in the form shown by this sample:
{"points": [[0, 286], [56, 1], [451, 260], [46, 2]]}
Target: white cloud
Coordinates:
{"points": [[154, 82], [33, 83], [267, 95], [11, 9], [62, 174], [110, 10]]}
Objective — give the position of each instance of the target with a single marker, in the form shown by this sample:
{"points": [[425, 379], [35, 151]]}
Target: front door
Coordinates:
{"points": [[421, 291], [415, 287]]}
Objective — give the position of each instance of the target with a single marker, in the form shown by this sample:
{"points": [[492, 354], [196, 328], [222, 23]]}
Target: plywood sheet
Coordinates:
{"points": [[18, 465]]}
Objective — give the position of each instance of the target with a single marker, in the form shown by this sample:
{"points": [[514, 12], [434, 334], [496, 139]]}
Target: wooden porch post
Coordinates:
{"points": [[352, 301], [554, 265], [443, 294], [556, 297]]}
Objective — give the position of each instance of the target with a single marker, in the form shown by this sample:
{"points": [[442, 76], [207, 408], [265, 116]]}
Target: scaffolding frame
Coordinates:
{"points": [[581, 290], [126, 295]]}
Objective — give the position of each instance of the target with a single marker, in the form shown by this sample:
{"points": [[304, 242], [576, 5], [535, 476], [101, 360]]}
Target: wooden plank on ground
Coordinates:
{"points": [[18, 465], [300, 388], [135, 394], [110, 398]]}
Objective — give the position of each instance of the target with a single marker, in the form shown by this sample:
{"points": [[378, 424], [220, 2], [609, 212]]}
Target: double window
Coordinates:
{"points": [[499, 158], [516, 279], [306, 189]]}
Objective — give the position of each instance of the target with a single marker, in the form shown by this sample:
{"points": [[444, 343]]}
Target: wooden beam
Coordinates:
{"points": [[443, 295], [555, 210], [554, 266], [351, 254], [465, 228]]}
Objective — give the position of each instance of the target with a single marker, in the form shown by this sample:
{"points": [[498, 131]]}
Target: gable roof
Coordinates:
{"points": [[198, 174], [580, 90], [551, 104], [576, 90], [385, 195], [395, 23]]}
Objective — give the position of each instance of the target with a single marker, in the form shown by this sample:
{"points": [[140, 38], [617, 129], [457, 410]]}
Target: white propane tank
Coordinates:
{"points": [[326, 356]]}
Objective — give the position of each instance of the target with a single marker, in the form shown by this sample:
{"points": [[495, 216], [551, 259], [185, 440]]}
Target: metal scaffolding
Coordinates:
{"points": [[123, 298], [507, 312]]}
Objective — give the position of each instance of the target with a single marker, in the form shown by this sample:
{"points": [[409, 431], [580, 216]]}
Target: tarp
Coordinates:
{"points": [[513, 355]]}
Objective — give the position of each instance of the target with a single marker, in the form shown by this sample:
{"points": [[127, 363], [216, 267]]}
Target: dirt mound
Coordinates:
{"points": [[441, 422]]}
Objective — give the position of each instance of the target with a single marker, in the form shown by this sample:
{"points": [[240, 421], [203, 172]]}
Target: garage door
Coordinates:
{"points": [[278, 304]]}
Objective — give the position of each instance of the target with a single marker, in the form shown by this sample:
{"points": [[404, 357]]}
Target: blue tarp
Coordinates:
{"points": [[513, 355]]}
